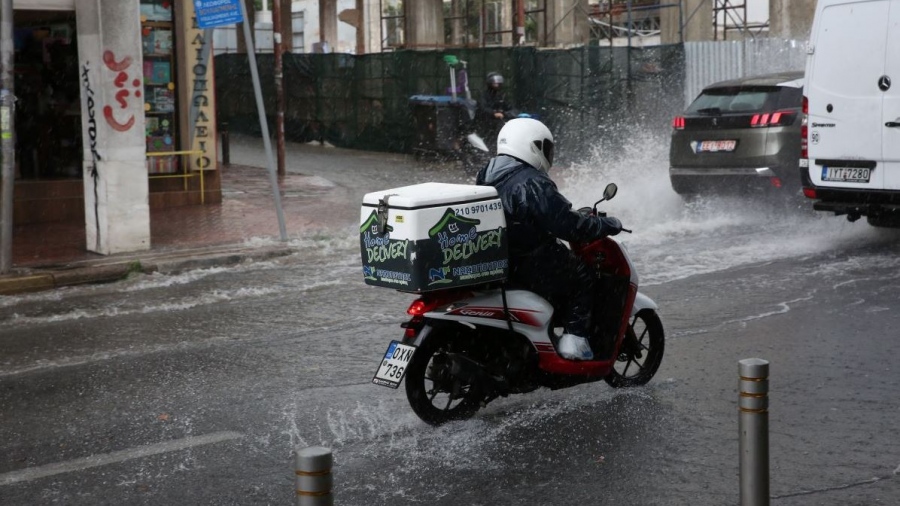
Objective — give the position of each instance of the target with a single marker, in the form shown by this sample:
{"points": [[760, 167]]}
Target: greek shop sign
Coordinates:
{"points": [[213, 13]]}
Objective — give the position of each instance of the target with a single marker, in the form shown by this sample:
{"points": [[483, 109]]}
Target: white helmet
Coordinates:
{"points": [[528, 140]]}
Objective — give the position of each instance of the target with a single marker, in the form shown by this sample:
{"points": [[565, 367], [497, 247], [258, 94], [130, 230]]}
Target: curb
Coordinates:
{"points": [[24, 284], [37, 280]]}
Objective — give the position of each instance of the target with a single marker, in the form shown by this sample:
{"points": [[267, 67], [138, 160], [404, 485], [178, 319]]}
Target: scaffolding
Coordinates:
{"points": [[471, 23], [729, 16]]}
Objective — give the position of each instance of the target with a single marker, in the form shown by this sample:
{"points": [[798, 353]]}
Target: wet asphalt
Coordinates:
{"points": [[195, 388]]}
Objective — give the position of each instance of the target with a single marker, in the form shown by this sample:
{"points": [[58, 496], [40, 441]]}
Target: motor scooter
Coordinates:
{"points": [[464, 347]]}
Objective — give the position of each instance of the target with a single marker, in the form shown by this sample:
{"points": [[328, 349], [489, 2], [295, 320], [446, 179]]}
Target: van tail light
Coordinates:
{"points": [[804, 130], [777, 118], [809, 193], [776, 182], [678, 122]]}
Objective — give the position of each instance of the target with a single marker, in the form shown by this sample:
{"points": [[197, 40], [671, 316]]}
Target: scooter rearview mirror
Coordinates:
{"points": [[610, 191]]}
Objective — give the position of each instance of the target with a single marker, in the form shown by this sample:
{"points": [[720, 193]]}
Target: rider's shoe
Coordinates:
{"points": [[574, 347]]}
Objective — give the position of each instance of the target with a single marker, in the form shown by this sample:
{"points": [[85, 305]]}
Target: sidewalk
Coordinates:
{"points": [[51, 255]]}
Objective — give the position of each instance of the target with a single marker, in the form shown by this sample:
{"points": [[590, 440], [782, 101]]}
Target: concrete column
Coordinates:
{"points": [[117, 213], [457, 26], [791, 19], [372, 23], [696, 15], [567, 23], [424, 23], [328, 23], [508, 21]]}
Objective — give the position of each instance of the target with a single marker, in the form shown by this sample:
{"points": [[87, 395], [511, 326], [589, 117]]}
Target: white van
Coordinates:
{"points": [[851, 140]]}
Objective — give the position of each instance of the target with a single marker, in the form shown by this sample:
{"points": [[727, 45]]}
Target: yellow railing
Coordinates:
{"points": [[185, 168]]}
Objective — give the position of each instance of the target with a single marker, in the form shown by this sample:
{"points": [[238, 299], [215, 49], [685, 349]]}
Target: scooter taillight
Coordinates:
{"points": [[417, 308], [432, 301]]}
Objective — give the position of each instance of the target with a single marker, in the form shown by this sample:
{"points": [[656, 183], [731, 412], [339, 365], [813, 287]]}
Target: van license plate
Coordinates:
{"points": [[716, 146], [393, 365], [846, 174]]}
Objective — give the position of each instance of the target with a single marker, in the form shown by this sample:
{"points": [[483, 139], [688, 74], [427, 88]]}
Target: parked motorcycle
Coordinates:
{"points": [[467, 346]]}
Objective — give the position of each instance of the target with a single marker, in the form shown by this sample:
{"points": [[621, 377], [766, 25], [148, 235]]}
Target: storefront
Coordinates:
{"points": [[112, 123]]}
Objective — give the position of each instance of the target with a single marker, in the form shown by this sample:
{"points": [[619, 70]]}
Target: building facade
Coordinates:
{"points": [[115, 115]]}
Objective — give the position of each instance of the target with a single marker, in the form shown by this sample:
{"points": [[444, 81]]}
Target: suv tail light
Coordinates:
{"points": [[678, 122], [777, 118]]}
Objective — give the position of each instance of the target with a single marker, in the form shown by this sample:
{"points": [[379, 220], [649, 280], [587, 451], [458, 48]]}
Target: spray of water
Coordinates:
{"points": [[675, 238]]}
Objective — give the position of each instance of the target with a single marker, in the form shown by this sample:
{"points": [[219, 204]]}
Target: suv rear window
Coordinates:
{"points": [[737, 100]]}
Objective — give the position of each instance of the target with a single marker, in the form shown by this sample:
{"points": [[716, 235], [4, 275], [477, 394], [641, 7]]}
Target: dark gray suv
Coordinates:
{"points": [[739, 136]]}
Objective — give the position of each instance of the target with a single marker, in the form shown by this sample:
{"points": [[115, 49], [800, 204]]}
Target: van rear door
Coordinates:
{"points": [[846, 130], [891, 123]]}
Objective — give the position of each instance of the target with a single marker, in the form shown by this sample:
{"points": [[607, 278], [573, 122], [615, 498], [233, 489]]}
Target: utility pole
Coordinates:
{"points": [[360, 27], [520, 23], [7, 129], [279, 84]]}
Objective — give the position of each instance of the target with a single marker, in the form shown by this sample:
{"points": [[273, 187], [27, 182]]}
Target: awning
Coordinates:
{"points": [[45, 5]]}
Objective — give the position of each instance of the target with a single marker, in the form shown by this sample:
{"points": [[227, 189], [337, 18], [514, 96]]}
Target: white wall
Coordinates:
{"points": [[346, 34], [41, 5]]}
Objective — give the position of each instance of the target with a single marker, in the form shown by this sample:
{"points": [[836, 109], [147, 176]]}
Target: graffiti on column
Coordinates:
{"points": [[122, 77], [92, 137]]}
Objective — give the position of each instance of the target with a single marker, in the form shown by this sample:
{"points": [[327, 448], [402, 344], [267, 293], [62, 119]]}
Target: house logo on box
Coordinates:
{"points": [[452, 223]]}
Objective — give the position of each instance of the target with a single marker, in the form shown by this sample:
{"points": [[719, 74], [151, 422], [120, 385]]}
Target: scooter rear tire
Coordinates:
{"points": [[422, 392]]}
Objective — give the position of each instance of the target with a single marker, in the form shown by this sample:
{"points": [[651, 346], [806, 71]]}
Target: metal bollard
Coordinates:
{"points": [[226, 149], [314, 481], [754, 429]]}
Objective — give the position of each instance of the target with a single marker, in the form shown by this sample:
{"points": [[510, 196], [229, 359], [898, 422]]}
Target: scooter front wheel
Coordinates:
{"points": [[434, 393], [638, 360]]}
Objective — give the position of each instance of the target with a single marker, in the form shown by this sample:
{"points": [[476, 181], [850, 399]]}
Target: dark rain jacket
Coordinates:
{"points": [[493, 101], [536, 213]]}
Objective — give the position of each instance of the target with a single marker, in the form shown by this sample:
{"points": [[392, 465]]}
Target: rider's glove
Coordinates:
{"points": [[612, 225]]}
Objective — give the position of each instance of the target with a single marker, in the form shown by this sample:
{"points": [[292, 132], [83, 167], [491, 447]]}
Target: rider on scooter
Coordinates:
{"points": [[538, 216], [493, 107]]}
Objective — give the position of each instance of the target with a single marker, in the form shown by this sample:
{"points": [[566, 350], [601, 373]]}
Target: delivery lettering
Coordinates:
{"points": [[382, 249], [463, 246]]}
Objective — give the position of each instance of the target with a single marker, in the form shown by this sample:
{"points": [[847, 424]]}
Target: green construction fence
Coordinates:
{"points": [[584, 94]]}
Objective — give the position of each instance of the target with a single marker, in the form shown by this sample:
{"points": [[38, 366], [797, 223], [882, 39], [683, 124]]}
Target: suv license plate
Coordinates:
{"points": [[393, 365], [716, 146], [846, 174]]}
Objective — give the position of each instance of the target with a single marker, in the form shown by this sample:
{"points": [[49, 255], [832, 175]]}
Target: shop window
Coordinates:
{"points": [[48, 106], [161, 115]]}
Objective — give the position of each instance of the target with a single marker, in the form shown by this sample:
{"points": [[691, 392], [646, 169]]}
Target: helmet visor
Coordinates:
{"points": [[546, 147]]}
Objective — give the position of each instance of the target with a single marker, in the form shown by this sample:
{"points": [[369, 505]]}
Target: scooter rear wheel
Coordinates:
{"points": [[434, 394], [630, 371]]}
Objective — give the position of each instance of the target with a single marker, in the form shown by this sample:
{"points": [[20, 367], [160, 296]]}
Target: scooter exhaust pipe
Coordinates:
{"points": [[472, 372]]}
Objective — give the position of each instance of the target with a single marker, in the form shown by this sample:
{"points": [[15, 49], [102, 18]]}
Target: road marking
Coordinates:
{"points": [[34, 473]]}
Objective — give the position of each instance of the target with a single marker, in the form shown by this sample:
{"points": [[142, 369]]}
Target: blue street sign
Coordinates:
{"points": [[213, 13]]}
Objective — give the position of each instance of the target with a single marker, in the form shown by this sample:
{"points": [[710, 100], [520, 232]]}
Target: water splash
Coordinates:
{"points": [[675, 239]]}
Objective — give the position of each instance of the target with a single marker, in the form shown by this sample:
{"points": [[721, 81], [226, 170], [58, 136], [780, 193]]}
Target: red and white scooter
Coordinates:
{"points": [[464, 347]]}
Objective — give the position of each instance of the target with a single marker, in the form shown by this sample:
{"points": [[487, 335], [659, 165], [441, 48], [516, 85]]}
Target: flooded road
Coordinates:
{"points": [[194, 388]]}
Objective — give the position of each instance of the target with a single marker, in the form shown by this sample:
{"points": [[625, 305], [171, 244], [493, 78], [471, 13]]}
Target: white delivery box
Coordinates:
{"points": [[433, 236]]}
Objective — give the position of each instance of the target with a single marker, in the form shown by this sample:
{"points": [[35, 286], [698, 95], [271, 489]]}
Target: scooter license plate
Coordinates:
{"points": [[393, 365]]}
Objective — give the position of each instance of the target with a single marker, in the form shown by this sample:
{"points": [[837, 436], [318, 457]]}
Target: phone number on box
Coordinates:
{"points": [[479, 208]]}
